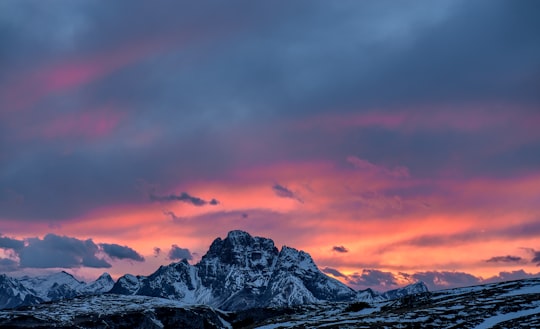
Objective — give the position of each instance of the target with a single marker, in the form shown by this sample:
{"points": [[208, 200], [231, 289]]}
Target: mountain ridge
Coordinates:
{"points": [[238, 272]]}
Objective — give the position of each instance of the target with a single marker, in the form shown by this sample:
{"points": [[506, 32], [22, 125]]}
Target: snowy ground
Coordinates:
{"points": [[513, 304]]}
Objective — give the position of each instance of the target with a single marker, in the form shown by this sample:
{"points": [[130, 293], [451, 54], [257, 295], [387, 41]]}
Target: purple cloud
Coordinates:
{"points": [[340, 249], [504, 259], [334, 272], [283, 192], [183, 197], [177, 253], [121, 252], [436, 280]]}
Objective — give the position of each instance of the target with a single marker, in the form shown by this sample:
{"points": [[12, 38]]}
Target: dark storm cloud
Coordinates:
{"points": [[504, 259], [177, 253], [121, 252], [283, 192], [262, 64], [184, 197], [334, 272], [436, 280], [60, 251], [8, 243], [340, 249]]}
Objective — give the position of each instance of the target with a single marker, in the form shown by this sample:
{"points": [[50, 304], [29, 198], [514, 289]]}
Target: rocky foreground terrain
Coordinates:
{"points": [[514, 304]]}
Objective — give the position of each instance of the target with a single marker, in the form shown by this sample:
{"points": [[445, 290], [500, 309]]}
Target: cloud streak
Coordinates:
{"points": [[283, 192], [340, 249], [504, 259], [184, 197]]}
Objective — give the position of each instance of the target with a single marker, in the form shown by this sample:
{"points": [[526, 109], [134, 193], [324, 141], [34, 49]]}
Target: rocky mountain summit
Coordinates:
{"points": [[237, 273], [241, 272]]}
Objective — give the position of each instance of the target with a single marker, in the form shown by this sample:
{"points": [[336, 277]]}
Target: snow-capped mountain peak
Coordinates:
{"points": [[238, 272]]}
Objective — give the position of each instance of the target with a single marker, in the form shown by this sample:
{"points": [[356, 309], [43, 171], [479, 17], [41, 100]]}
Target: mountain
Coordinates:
{"points": [[371, 296], [237, 273], [241, 272], [114, 311], [412, 289], [27, 290], [513, 304], [13, 293]]}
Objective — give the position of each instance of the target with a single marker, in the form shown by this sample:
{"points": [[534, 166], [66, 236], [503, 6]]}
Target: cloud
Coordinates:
{"points": [[283, 192], [504, 259], [157, 251], [8, 265], [536, 258], [510, 276], [436, 280], [172, 215], [60, 251], [121, 252], [370, 168], [55, 251], [8, 243], [177, 253], [340, 249], [183, 197], [334, 272], [373, 278], [526, 229]]}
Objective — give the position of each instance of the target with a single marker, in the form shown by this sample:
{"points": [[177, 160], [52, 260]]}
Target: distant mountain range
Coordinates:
{"points": [[237, 273]]}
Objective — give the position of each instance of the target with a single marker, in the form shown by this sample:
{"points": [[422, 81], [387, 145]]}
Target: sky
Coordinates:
{"points": [[394, 141]]}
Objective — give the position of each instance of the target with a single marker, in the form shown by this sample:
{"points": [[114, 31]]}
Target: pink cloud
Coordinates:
{"points": [[371, 168], [467, 118], [90, 124], [32, 86]]}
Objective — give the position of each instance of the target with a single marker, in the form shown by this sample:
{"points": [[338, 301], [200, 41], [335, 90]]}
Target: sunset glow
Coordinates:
{"points": [[377, 140]]}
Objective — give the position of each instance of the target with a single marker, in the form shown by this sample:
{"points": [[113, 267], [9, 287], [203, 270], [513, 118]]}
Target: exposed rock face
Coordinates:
{"points": [[33, 290], [241, 272], [237, 273], [13, 293]]}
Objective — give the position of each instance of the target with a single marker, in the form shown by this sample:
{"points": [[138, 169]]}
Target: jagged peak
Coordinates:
{"points": [[234, 249], [105, 277], [292, 257], [236, 234]]}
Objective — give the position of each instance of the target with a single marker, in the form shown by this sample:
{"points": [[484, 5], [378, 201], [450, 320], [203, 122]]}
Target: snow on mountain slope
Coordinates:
{"points": [[241, 272], [296, 280], [114, 311], [102, 284], [47, 286], [514, 304], [237, 273], [511, 305], [33, 290], [13, 293]]}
